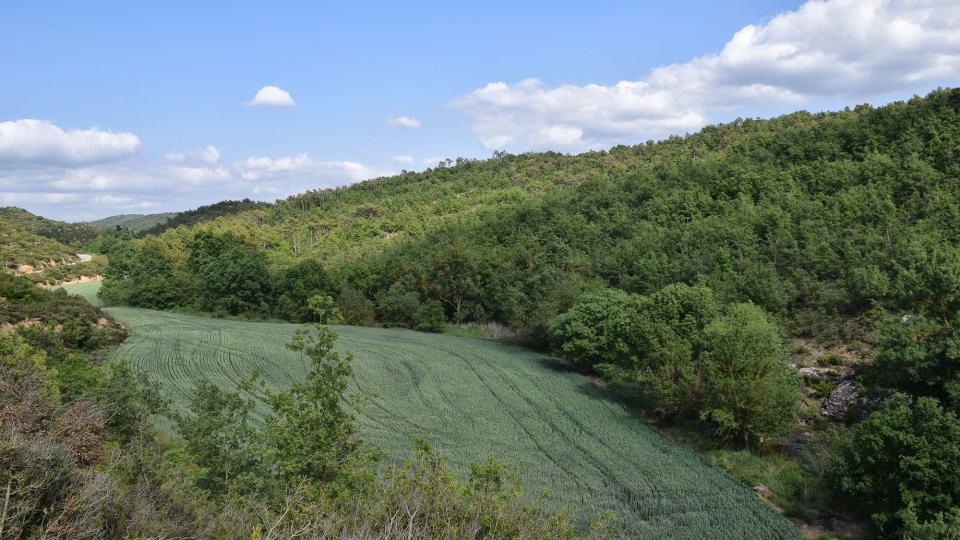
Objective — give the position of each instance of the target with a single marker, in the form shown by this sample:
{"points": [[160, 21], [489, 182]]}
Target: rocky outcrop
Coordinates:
{"points": [[841, 400], [819, 374]]}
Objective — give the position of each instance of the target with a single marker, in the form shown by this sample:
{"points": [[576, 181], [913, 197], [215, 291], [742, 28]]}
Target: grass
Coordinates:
{"points": [[477, 400]]}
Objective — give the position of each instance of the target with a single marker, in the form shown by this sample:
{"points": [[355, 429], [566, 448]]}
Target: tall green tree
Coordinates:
{"points": [[751, 392], [295, 286], [218, 433], [310, 433], [600, 328], [230, 276]]}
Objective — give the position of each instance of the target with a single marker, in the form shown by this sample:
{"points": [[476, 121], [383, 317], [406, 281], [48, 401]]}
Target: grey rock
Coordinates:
{"points": [[819, 374], [841, 399]]}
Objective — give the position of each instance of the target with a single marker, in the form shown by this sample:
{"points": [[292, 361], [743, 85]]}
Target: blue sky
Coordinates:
{"points": [[132, 107]]}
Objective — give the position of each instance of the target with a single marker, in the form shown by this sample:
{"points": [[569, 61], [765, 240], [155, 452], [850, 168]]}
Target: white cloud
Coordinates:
{"points": [[272, 96], [86, 192], [196, 175], [432, 161], [255, 168], [209, 154], [21, 198], [834, 49], [404, 160], [351, 169], [114, 200], [403, 122], [304, 168], [40, 142]]}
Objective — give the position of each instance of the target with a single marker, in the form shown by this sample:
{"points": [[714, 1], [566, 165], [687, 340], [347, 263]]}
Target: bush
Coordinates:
{"points": [[670, 333], [356, 308], [324, 310], [601, 327], [296, 284], [430, 317], [144, 276], [230, 276], [919, 355], [399, 306]]}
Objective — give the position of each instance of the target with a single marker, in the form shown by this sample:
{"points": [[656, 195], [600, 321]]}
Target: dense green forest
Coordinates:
{"points": [[680, 266]]}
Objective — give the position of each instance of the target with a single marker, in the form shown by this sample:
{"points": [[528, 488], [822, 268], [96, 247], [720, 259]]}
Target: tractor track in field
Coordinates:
{"points": [[534, 439]]}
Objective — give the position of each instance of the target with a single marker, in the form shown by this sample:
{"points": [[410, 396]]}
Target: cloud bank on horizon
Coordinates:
{"points": [[825, 50], [845, 49]]}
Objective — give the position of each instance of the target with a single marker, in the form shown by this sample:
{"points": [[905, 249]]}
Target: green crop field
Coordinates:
{"points": [[477, 400], [87, 290]]}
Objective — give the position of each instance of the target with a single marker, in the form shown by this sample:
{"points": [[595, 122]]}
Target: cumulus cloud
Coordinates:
{"points": [[40, 142], [834, 49], [404, 160], [272, 96], [208, 154], [304, 169], [20, 198], [403, 122], [86, 192], [255, 168], [196, 175]]}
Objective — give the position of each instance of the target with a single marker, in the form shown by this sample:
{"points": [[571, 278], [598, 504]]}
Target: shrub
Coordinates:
{"points": [[356, 308], [230, 276], [430, 317], [670, 332], [601, 327], [399, 305], [324, 310], [296, 284], [919, 355]]}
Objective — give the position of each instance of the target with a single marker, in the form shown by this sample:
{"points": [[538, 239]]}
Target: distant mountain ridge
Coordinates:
{"points": [[136, 223], [206, 213], [61, 231]]}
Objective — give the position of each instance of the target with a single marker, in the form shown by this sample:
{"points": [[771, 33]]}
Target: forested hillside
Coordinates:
{"points": [[679, 267], [135, 222], [19, 247], [203, 214], [825, 212], [68, 233]]}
